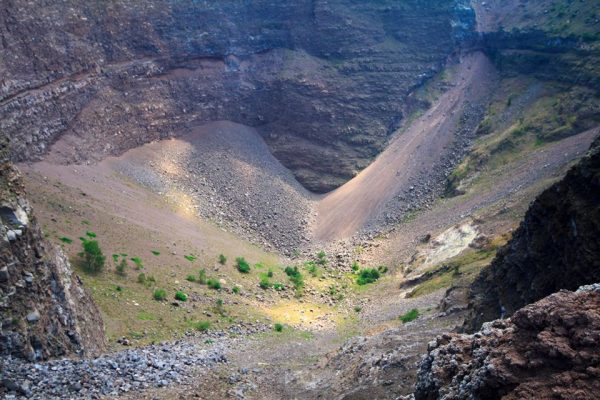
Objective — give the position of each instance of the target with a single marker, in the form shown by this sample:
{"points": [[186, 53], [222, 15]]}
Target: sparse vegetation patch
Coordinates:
{"points": [[367, 275], [409, 316]]}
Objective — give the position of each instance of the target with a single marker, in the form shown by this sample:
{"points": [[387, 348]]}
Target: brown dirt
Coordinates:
{"points": [[346, 210]]}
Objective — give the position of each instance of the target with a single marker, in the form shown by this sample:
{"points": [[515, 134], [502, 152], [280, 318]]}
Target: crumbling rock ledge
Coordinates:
{"points": [[549, 349], [45, 311]]}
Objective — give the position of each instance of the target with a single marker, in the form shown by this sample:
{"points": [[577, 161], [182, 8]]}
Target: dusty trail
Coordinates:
{"points": [[411, 154]]}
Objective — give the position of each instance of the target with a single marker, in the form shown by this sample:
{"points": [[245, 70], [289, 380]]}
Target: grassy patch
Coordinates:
{"points": [[463, 267], [409, 316], [146, 316], [202, 326]]}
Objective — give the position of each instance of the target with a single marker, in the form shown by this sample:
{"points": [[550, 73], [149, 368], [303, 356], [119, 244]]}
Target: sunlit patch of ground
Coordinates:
{"points": [[302, 315]]}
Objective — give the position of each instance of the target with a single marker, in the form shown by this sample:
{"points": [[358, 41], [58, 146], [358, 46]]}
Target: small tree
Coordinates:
{"points": [[92, 258], [242, 265]]}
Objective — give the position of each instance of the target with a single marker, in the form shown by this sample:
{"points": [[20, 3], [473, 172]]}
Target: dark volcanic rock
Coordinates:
{"points": [[555, 247], [549, 349], [45, 310], [324, 82]]}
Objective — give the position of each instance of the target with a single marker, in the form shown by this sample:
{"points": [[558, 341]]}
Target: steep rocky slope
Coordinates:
{"points": [[549, 349], [324, 82], [45, 310], [554, 248], [226, 172]]}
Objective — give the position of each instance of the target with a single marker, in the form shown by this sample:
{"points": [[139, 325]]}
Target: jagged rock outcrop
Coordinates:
{"points": [[555, 247], [324, 82], [45, 310], [547, 350]]}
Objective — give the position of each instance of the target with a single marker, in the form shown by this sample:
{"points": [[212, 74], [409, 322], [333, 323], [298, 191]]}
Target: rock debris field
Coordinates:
{"points": [[119, 373]]}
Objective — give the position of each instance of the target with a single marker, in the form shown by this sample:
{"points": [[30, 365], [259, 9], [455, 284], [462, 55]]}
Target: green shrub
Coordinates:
{"points": [[278, 327], [295, 276], [219, 309], [264, 282], [160, 294], [382, 269], [357, 309], [242, 265], [321, 258], [214, 284], [270, 273], [355, 266], [181, 296], [115, 258], [366, 276], [138, 263], [456, 270], [222, 259], [278, 286], [121, 268], [190, 278], [202, 326], [311, 267], [66, 240], [92, 258], [155, 252], [91, 234], [236, 289], [141, 278], [202, 276], [410, 316], [190, 258]]}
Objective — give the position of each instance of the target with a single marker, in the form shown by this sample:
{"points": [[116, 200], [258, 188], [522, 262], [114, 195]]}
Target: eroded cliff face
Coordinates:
{"points": [[549, 349], [555, 247], [45, 310], [324, 82]]}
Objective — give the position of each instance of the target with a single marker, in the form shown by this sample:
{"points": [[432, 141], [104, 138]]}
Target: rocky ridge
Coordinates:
{"points": [[554, 248], [549, 349], [46, 312]]}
